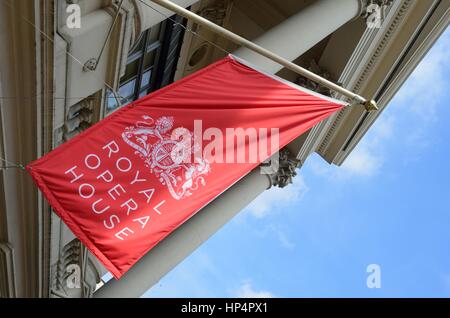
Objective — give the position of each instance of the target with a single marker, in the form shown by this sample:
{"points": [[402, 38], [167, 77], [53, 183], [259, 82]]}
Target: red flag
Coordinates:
{"points": [[127, 182]]}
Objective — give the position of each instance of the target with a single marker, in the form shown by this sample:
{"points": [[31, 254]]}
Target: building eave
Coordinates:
{"points": [[381, 62]]}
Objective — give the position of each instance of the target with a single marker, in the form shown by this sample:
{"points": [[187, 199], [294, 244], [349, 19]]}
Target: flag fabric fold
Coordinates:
{"points": [[130, 180]]}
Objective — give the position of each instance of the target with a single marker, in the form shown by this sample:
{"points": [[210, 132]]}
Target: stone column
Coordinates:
{"points": [[148, 17], [302, 31]]}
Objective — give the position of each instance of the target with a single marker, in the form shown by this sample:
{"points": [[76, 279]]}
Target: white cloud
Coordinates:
{"points": [[275, 197], [282, 237], [422, 92], [417, 103], [361, 162], [197, 276], [422, 95], [247, 291], [383, 128], [366, 160]]}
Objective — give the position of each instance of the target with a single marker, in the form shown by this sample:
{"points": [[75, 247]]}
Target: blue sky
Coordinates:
{"points": [[389, 204]]}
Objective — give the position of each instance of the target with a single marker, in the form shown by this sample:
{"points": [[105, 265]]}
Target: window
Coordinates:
{"points": [[152, 63]]}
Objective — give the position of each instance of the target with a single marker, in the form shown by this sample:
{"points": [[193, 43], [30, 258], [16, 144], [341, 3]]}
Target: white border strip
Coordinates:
{"points": [[286, 82]]}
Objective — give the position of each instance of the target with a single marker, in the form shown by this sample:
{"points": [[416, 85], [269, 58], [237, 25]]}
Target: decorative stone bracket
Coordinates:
{"points": [[287, 165]]}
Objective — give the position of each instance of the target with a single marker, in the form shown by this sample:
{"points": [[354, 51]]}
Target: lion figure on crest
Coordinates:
{"points": [[153, 143]]}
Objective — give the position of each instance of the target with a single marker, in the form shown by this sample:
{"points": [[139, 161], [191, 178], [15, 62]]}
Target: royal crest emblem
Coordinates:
{"points": [[165, 156]]}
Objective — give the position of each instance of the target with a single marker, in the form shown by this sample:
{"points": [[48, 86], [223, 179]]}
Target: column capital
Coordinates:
{"points": [[314, 86], [287, 164], [374, 10], [363, 4]]}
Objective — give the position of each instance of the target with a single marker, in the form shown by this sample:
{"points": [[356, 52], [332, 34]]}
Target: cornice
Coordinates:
{"points": [[365, 57], [368, 54], [431, 31]]}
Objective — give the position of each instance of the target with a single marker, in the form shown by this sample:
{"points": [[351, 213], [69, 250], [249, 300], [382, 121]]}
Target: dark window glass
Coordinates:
{"points": [[153, 34], [143, 93], [149, 59], [111, 101], [146, 78], [130, 71], [151, 64], [126, 91]]}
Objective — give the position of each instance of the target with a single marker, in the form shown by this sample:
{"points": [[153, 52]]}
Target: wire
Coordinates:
{"points": [[11, 165], [82, 64], [108, 35], [185, 27], [54, 43]]}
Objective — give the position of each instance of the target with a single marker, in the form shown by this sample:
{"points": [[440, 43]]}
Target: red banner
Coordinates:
{"points": [[127, 182]]}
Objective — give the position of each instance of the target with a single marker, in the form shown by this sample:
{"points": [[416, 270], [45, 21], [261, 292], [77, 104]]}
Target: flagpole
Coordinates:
{"points": [[370, 105]]}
